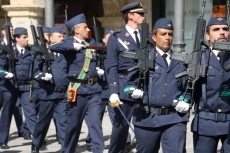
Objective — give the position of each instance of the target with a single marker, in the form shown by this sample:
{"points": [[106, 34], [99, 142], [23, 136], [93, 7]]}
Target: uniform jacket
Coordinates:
{"points": [[115, 63], [75, 61], [217, 78], [59, 78], [165, 88]]}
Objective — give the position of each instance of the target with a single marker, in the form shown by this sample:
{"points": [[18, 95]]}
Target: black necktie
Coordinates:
{"points": [[220, 55], [21, 53], [137, 39], [164, 57]]}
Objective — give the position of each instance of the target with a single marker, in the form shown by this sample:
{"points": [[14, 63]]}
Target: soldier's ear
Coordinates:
{"points": [[154, 37], [207, 36]]}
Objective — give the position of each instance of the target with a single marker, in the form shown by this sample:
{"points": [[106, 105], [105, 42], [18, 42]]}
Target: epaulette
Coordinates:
{"points": [[116, 32]]}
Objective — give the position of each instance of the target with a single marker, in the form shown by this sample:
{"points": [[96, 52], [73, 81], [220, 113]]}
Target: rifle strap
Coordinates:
{"points": [[204, 96], [121, 42], [72, 89]]}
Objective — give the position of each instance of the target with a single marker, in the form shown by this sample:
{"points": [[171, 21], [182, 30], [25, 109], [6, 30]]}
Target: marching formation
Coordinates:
{"points": [[134, 73]]}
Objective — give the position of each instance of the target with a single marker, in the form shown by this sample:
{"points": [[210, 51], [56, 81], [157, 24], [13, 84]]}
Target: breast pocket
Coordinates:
{"points": [[156, 77]]}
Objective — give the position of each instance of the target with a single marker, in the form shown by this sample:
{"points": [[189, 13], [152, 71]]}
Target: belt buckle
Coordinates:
{"points": [[220, 117], [90, 81]]}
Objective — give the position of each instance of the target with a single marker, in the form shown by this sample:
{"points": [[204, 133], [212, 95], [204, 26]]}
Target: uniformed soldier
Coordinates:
{"points": [[17, 86], [52, 94], [17, 110], [119, 79], [212, 110], [83, 91], [156, 120]]}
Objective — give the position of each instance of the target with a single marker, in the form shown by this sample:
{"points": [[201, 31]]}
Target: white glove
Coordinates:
{"points": [[100, 72], [114, 100], [137, 93], [78, 46], [47, 77], [9, 75], [182, 107]]}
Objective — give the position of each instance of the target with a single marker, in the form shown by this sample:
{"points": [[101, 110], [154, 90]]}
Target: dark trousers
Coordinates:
{"points": [[47, 109], [9, 102], [120, 127], [172, 138], [88, 107], [203, 144]]}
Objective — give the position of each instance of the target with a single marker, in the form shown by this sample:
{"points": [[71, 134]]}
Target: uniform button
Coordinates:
{"points": [[59, 83], [199, 107], [207, 74], [166, 84], [87, 76], [74, 74], [164, 96], [59, 76], [163, 107], [219, 98], [220, 73], [143, 101], [114, 83], [219, 110], [166, 74]]}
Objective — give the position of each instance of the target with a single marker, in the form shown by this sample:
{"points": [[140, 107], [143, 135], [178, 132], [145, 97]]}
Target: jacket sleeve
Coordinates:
{"points": [[112, 65]]}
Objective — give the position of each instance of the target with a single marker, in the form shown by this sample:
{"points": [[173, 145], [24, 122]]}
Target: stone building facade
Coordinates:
{"points": [[23, 13]]}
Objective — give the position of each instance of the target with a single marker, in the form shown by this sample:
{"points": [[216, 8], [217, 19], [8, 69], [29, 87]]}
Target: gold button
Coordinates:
{"points": [[166, 84], [164, 96], [199, 107], [163, 107], [219, 110]]}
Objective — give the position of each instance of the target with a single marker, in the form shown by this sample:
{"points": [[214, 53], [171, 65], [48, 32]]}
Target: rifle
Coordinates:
{"points": [[144, 64], [10, 53], [34, 47], [42, 49], [66, 19], [194, 68], [95, 30]]}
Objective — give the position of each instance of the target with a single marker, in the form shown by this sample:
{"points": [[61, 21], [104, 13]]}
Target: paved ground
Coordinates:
{"points": [[19, 145]]}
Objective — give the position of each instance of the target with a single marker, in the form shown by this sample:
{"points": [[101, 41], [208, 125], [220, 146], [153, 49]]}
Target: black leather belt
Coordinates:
{"points": [[54, 88], [223, 117], [23, 82], [89, 81], [158, 111]]}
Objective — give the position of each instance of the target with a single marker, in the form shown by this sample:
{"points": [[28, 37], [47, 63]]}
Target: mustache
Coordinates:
{"points": [[222, 38]]}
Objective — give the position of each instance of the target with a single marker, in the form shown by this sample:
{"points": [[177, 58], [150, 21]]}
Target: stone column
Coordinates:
{"points": [[26, 12]]}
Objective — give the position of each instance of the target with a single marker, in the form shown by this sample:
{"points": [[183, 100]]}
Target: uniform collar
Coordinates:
{"points": [[161, 52], [79, 40]]}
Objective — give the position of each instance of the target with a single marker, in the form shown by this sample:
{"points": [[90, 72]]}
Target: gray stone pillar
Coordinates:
{"points": [[49, 13], [178, 42]]}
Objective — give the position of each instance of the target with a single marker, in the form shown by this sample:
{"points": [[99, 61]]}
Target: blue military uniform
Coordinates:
{"points": [[18, 87], [212, 116], [88, 100], [119, 78], [52, 95], [155, 120]]}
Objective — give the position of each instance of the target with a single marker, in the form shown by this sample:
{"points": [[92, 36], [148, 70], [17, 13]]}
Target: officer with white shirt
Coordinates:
{"points": [[16, 86], [212, 111], [52, 94], [118, 78], [84, 91], [155, 119]]}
